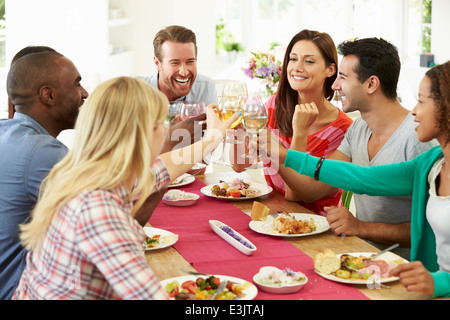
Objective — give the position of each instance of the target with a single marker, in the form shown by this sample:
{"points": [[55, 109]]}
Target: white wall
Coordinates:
{"points": [[153, 15], [440, 43], [70, 27], [76, 28]]}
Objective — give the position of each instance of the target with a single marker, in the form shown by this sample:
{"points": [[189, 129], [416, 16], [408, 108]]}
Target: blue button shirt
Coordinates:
{"points": [[27, 153]]}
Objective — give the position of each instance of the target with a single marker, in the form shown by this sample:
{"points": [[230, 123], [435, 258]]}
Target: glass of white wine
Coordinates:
{"points": [[227, 107], [188, 110], [255, 120], [236, 89], [174, 110]]}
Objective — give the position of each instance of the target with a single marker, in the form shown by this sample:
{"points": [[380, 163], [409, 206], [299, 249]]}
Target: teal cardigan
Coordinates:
{"points": [[398, 179]]}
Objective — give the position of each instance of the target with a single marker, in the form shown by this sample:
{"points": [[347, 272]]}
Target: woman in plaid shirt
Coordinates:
{"points": [[83, 241]]}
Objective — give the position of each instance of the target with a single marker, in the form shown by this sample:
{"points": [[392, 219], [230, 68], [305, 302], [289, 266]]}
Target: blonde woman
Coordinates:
{"points": [[83, 240]]}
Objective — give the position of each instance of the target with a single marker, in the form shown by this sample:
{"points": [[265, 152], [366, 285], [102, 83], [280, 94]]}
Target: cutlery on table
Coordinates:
{"points": [[385, 250], [221, 287], [195, 273]]}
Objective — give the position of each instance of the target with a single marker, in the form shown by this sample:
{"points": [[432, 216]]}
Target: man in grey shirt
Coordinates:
{"points": [[367, 82]]}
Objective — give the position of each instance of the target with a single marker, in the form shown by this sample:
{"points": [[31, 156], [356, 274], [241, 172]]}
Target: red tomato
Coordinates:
{"points": [[174, 292], [234, 194], [216, 281], [189, 286]]}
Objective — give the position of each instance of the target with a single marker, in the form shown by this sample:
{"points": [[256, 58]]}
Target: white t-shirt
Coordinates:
{"points": [[438, 215]]}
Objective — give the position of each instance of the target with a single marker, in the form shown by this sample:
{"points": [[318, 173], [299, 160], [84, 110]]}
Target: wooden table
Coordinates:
{"points": [[158, 260]]}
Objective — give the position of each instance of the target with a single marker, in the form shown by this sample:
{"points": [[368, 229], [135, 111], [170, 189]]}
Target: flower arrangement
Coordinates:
{"points": [[264, 66]]}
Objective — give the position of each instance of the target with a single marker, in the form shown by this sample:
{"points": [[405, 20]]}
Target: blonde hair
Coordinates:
{"points": [[112, 142]]}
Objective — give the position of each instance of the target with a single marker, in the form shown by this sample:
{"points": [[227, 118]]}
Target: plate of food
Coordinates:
{"points": [[236, 190], [179, 198], [290, 224], [357, 267], [182, 180], [274, 280], [196, 287], [158, 238]]}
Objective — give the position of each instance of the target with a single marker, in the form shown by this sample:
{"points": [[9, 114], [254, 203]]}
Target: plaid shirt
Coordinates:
{"points": [[93, 250]]}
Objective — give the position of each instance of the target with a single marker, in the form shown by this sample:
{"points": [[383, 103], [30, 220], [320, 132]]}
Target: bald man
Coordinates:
{"points": [[46, 91], [25, 51]]}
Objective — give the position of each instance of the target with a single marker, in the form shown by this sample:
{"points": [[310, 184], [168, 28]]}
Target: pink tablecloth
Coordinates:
{"points": [[209, 253]]}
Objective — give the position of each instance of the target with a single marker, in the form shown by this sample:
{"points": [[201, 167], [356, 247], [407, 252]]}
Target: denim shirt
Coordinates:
{"points": [[27, 154]]}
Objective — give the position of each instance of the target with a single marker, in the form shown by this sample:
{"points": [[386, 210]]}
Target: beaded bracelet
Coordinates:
{"points": [[319, 165]]}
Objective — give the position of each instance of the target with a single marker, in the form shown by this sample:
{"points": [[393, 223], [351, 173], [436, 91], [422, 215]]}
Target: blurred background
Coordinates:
{"points": [[108, 38]]}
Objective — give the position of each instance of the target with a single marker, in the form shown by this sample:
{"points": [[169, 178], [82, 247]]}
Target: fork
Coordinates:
{"points": [[219, 289], [195, 273]]}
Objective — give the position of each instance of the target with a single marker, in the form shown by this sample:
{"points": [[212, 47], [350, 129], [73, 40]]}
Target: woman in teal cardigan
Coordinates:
{"points": [[426, 178]]}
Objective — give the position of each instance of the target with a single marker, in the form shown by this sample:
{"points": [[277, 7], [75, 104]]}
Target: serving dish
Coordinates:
{"points": [[179, 198], [266, 226], [233, 237], [274, 280]]}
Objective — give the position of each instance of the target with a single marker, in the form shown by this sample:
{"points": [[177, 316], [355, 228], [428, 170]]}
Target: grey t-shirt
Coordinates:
{"points": [[402, 146]]}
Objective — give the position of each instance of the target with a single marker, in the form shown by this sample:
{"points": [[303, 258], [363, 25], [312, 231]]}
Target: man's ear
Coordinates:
{"points": [[372, 83], [48, 95], [157, 63]]}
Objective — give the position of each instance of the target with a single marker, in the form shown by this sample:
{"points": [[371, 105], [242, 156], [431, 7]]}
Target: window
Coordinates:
{"points": [[255, 24], [259, 24], [419, 26]]}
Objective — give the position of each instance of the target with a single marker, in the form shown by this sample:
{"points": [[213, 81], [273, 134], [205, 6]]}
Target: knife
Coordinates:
{"points": [[385, 250]]}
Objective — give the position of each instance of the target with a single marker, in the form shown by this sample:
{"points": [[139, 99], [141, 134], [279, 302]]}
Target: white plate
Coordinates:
{"points": [[190, 198], [264, 189], [266, 227], [389, 256], [216, 226], [250, 293], [184, 180], [265, 272], [167, 238]]}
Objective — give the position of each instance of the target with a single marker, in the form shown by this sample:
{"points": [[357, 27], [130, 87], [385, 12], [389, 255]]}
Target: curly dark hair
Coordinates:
{"points": [[440, 82]]}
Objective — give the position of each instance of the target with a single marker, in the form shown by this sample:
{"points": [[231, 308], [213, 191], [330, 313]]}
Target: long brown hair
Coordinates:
{"points": [[287, 98]]}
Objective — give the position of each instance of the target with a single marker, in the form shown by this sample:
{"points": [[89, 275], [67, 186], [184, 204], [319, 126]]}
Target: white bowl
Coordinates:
{"points": [[248, 250], [265, 272], [178, 198]]}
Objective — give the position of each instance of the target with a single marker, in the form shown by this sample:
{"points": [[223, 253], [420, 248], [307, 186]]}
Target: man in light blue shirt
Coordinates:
{"points": [[203, 89], [46, 92], [175, 50]]}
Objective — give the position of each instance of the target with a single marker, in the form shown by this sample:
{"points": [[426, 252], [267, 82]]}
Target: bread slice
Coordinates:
{"points": [[259, 211], [327, 262]]}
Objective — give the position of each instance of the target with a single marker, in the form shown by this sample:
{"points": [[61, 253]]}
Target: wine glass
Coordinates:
{"points": [[255, 119], [227, 107], [174, 110], [188, 110], [237, 89]]}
